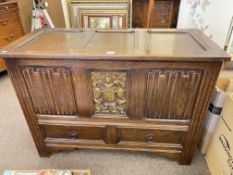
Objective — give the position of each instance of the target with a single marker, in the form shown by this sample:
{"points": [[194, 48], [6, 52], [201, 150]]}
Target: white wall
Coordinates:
{"points": [[213, 17]]}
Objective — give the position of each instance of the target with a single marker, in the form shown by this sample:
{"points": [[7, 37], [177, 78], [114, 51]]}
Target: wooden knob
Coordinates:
{"points": [[73, 134], [150, 138]]}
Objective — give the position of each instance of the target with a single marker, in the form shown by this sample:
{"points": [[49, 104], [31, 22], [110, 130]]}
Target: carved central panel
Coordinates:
{"points": [[109, 91]]}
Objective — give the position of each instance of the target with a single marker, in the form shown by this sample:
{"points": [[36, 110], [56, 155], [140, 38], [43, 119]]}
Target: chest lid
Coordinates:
{"points": [[131, 44]]}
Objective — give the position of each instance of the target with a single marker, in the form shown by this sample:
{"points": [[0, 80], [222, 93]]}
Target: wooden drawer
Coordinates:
{"points": [[10, 35], [151, 135], [114, 134], [73, 132], [8, 6], [8, 19]]}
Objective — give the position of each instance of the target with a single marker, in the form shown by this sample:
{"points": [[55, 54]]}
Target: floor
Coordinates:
{"points": [[17, 150]]}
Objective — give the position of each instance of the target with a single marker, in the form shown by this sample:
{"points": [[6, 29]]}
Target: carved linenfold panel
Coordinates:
{"points": [[51, 90], [109, 92], [171, 94]]}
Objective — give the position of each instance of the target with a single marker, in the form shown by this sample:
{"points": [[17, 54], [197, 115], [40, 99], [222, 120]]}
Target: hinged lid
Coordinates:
{"points": [[133, 44]]}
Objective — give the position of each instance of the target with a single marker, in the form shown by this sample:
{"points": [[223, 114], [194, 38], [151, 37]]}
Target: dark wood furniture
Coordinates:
{"points": [[155, 13], [144, 90], [10, 25]]}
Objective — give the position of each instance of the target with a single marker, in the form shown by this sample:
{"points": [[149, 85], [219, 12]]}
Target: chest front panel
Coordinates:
{"points": [[151, 91]]}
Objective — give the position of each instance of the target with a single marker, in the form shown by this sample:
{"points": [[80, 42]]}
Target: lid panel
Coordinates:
{"points": [[174, 42], [111, 41], [53, 41]]}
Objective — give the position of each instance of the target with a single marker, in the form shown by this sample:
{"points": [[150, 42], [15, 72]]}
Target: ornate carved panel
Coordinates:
{"points": [[51, 90], [109, 92], [171, 94]]}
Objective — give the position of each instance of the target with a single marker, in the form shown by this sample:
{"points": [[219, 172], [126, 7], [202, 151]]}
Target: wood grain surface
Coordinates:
{"points": [[138, 90]]}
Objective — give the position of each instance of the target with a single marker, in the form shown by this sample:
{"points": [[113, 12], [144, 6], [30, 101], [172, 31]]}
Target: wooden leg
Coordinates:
{"points": [[186, 162], [45, 154]]}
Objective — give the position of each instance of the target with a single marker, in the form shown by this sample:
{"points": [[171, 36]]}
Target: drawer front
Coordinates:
{"points": [[114, 134], [151, 135], [73, 132], [9, 35], [8, 19], [7, 7]]}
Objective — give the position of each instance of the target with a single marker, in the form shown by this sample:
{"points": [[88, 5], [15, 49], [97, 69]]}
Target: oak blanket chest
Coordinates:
{"points": [[139, 89]]}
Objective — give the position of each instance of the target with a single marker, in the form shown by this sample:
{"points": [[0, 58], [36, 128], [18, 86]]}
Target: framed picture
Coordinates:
{"points": [[100, 14], [96, 21], [100, 22]]}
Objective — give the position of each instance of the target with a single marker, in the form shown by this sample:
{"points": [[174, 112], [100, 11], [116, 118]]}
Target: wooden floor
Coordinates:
{"points": [[18, 151]]}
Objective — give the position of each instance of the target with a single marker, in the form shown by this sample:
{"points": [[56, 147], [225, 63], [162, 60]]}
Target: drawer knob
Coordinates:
{"points": [[4, 22], [73, 134], [150, 138]]}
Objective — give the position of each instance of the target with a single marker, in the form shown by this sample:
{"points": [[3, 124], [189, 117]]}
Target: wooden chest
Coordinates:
{"points": [[10, 25], [139, 90]]}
